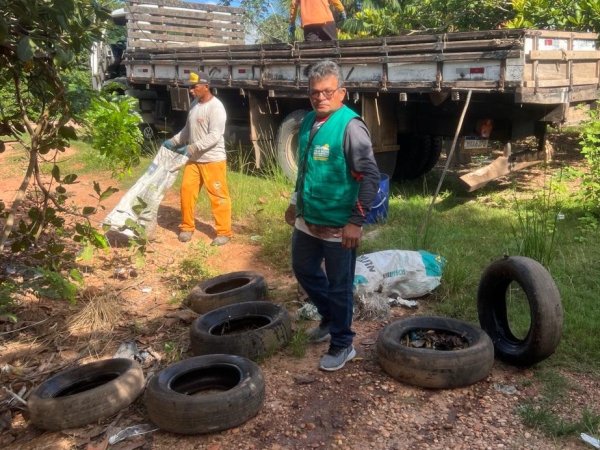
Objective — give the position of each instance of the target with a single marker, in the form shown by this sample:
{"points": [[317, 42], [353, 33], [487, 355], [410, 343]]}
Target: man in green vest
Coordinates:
{"points": [[337, 183]]}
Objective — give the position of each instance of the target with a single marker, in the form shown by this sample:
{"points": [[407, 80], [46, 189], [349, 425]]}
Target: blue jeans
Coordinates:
{"points": [[330, 291]]}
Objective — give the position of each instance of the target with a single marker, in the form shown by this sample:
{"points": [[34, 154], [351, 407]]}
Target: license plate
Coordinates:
{"points": [[475, 143]]}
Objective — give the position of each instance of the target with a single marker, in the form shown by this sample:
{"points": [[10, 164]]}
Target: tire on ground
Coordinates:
{"points": [[205, 394], [84, 394], [287, 143], [435, 368], [418, 154], [253, 330], [545, 310], [226, 289]]}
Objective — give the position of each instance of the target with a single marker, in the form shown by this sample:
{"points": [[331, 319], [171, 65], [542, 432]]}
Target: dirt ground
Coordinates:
{"points": [[358, 407]]}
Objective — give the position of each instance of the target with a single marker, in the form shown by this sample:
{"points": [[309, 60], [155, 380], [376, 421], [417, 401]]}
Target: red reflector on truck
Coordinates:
{"points": [[186, 71], [145, 70], [476, 70], [241, 70], [547, 41]]}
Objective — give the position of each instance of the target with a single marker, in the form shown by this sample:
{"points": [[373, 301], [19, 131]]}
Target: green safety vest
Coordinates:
{"points": [[326, 189]]}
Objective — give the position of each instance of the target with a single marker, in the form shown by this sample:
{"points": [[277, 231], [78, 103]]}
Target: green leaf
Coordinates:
{"points": [[87, 210], [140, 259], [56, 173], [3, 30], [107, 193], [76, 275], [87, 253], [56, 249], [67, 132], [97, 187], [25, 49], [69, 179]]}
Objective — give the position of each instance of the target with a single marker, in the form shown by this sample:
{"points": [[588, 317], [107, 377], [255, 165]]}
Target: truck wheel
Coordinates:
{"points": [[287, 143], [148, 131], [84, 394], [205, 394], [545, 310], [417, 155], [226, 289], [435, 368], [252, 330]]}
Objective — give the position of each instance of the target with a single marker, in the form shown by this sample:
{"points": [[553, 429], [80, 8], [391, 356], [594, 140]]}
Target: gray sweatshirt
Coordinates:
{"points": [[203, 132]]}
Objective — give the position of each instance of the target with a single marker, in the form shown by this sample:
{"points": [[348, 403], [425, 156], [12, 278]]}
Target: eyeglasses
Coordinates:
{"points": [[327, 93]]}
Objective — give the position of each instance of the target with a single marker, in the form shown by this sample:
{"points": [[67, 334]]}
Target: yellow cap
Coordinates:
{"points": [[198, 78]]}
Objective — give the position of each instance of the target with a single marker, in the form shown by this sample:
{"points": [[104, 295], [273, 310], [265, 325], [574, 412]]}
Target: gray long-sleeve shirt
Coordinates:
{"points": [[203, 131]]}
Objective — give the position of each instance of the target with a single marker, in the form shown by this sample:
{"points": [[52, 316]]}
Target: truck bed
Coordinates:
{"points": [[537, 66]]}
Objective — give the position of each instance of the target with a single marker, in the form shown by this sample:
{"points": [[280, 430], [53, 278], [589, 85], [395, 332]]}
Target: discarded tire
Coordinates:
{"points": [[226, 289], [205, 394], [435, 368], [252, 330], [84, 394], [545, 309]]}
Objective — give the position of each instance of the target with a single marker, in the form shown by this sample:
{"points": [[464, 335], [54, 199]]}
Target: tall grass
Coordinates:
{"points": [[535, 226]]}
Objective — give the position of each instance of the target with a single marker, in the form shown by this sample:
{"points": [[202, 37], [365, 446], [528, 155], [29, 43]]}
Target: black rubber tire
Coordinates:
{"points": [[417, 155], [272, 330], [286, 143], [84, 394], [435, 368], [227, 289], [172, 405], [545, 308]]}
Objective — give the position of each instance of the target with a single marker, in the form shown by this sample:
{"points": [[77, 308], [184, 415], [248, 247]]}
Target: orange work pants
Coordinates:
{"points": [[213, 176]]}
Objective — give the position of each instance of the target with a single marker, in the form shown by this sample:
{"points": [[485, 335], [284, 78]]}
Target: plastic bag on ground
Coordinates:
{"points": [[151, 188], [398, 273]]}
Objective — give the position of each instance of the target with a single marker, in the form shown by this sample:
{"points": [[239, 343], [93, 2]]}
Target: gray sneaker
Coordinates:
{"points": [[336, 358], [185, 236], [220, 240], [319, 333]]}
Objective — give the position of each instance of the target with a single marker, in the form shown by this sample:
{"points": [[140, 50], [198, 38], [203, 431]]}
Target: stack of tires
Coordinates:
{"points": [[220, 387]]}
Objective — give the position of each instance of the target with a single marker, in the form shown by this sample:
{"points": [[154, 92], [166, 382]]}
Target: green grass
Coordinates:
{"points": [[470, 230], [553, 414]]}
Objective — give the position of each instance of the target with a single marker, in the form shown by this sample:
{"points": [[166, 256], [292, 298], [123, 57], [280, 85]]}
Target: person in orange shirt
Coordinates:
{"points": [[316, 19]]}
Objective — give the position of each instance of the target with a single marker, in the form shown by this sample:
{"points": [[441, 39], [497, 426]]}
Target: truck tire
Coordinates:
{"points": [[545, 310], [252, 330], [287, 143], [148, 131], [226, 289], [86, 393], [417, 155], [237, 392], [435, 368]]}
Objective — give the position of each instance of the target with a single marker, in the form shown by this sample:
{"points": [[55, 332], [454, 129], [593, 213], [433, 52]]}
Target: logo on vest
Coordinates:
{"points": [[321, 152]]}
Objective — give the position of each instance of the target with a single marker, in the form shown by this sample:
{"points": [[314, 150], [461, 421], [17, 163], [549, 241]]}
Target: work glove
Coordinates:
{"points": [[343, 17], [292, 31], [168, 144], [182, 150]]}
